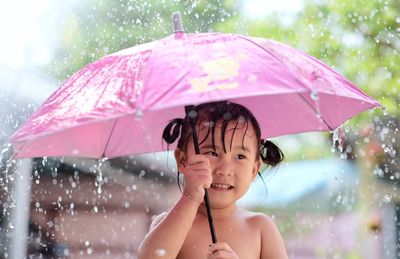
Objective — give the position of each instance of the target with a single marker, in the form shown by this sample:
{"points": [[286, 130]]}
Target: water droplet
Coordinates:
{"points": [[160, 252], [44, 160], [384, 110], [89, 250], [252, 78], [192, 114], [66, 252], [138, 114], [338, 198], [387, 198], [227, 116], [314, 95]]}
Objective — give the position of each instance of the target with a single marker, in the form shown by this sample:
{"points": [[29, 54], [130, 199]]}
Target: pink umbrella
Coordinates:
{"points": [[119, 104]]}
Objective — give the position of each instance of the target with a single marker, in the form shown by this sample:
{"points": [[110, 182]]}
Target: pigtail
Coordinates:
{"points": [[270, 153], [173, 130]]}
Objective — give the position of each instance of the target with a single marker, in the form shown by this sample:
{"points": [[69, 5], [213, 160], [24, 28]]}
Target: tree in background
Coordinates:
{"points": [[360, 39]]}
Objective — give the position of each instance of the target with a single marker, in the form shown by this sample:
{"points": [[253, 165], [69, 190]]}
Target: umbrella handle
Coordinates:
{"points": [[191, 114]]}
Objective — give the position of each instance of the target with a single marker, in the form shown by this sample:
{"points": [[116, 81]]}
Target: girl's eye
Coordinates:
{"points": [[211, 153], [240, 156]]}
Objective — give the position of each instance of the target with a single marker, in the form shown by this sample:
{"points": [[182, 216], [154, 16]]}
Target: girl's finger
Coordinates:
{"points": [[197, 168], [221, 255], [219, 246], [197, 159]]}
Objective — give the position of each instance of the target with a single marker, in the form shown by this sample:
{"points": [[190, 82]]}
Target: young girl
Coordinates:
{"points": [[231, 155]]}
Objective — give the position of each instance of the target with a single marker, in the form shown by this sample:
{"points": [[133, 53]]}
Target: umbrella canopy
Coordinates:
{"points": [[119, 104]]}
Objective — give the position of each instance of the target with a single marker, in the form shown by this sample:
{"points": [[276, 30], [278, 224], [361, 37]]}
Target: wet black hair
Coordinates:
{"points": [[212, 113], [208, 115]]}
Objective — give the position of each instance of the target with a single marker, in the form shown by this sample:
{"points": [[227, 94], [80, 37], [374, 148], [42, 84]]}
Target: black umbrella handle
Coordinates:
{"points": [[191, 114]]}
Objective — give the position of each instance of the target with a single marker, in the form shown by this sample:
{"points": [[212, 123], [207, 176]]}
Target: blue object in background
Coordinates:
{"points": [[323, 179]]}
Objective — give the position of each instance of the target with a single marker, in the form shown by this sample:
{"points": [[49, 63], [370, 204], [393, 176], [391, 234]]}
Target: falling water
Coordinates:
{"points": [[99, 174], [139, 117], [314, 96], [6, 153], [6, 179]]}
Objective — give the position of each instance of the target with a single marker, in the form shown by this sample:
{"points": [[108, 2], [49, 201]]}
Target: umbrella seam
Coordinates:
{"points": [[315, 111], [302, 82], [167, 92], [108, 140]]}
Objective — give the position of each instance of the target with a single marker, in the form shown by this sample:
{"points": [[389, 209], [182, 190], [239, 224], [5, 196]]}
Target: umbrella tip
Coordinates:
{"points": [[177, 21]]}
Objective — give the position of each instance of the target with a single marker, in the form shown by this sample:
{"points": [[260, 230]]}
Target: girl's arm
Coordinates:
{"points": [[166, 238], [272, 245]]}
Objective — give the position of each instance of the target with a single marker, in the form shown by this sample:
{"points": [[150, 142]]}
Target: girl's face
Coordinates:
{"points": [[233, 170]]}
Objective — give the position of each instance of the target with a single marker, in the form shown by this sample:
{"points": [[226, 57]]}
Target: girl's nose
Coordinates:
{"points": [[224, 168]]}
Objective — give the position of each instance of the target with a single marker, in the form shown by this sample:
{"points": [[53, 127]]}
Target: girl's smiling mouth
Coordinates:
{"points": [[221, 186]]}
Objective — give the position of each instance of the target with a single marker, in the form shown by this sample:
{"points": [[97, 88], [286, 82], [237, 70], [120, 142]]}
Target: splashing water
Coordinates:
{"points": [[335, 138], [99, 174], [384, 110], [339, 141], [387, 198], [6, 179], [9, 163]]}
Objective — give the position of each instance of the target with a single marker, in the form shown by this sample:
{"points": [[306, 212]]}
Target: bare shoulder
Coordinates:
{"points": [[259, 219], [157, 219], [272, 245]]}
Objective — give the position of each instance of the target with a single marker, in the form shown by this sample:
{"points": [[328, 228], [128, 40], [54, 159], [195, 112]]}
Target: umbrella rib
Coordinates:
{"points": [[108, 140], [315, 111]]}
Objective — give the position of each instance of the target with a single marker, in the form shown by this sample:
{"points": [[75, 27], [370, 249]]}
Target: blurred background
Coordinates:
{"points": [[336, 195]]}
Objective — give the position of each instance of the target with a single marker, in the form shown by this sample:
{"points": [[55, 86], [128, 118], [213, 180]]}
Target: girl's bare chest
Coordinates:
{"points": [[245, 241]]}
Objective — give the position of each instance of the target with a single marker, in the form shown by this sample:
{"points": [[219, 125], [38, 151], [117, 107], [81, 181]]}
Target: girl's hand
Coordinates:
{"points": [[197, 173], [221, 250]]}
